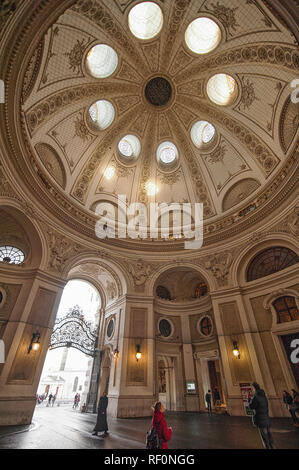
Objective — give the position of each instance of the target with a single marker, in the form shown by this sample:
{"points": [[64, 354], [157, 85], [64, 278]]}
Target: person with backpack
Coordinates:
{"points": [[260, 418], [160, 433]]}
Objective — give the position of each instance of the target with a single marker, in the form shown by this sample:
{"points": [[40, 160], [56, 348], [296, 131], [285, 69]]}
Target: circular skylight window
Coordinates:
{"points": [[101, 114], [11, 255], [202, 132], [202, 35], [167, 153], [222, 89], [129, 147], [101, 61], [145, 20]]}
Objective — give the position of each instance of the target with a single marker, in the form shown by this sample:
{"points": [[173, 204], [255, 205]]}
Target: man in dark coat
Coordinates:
{"points": [[101, 424], [208, 398], [259, 404]]}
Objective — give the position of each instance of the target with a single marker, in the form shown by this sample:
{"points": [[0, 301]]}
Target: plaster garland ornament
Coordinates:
{"points": [[140, 271], [111, 290], [219, 265], [61, 250]]}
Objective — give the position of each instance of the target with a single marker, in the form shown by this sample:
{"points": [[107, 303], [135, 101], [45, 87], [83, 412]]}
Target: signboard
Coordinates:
{"points": [[247, 394], [190, 385]]}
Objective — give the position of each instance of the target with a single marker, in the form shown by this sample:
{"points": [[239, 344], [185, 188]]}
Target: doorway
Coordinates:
{"points": [[68, 364], [167, 392]]}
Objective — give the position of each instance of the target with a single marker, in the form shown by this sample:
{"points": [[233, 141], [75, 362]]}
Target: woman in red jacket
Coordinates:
{"points": [[159, 423]]}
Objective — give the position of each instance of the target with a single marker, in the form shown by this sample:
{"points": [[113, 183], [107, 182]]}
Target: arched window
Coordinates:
{"points": [[270, 261], [11, 255], [163, 293], [75, 386], [286, 309], [201, 289]]}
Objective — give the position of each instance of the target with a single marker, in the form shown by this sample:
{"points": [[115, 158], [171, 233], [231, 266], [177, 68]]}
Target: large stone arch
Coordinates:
{"points": [[112, 267]]}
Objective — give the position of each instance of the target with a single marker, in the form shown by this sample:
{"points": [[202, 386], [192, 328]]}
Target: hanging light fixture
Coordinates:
{"points": [[138, 353], [34, 343], [236, 351], [116, 353]]}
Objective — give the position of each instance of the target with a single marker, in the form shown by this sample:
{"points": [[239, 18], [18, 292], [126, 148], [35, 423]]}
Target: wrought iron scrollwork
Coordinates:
{"points": [[74, 331]]}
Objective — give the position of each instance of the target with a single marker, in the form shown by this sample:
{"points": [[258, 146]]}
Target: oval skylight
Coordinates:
{"points": [[202, 35], [222, 89], [167, 153], [101, 114], [202, 132], [101, 61], [129, 146], [145, 20]]}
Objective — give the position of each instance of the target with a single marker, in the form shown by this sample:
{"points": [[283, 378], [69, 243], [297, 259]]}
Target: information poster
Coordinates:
{"points": [[247, 394]]}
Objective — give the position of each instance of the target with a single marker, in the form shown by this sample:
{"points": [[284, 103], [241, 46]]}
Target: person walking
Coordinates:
{"points": [[53, 399], [101, 424], [287, 399], [76, 400], [294, 407], [208, 398], [260, 418], [217, 400], [159, 422], [49, 399]]}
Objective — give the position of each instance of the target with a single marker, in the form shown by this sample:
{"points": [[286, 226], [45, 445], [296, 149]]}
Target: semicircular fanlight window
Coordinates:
{"points": [[11, 255]]}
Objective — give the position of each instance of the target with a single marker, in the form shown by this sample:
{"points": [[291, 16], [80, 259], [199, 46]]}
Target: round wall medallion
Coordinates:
{"points": [[165, 328], [110, 328], [158, 91]]}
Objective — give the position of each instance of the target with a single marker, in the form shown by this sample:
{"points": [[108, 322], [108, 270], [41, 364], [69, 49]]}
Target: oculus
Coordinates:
{"points": [[101, 114], [202, 35], [129, 147], [165, 328], [101, 61], [167, 153], [202, 133], [145, 20], [158, 91], [110, 329], [222, 89], [205, 326], [11, 255]]}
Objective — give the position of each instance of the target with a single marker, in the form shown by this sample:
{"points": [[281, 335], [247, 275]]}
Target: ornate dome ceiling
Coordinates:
{"points": [[200, 112]]}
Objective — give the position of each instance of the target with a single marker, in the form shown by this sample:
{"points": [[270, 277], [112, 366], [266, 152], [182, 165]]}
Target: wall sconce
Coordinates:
{"points": [[138, 353], [236, 351], [35, 342], [116, 353]]}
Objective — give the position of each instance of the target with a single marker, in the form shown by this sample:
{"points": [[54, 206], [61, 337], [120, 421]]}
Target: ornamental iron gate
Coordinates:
{"points": [[72, 331]]}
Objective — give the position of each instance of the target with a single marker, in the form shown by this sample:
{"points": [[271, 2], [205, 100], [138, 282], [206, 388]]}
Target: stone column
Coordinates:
{"points": [[192, 401], [32, 301], [131, 388], [91, 405]]}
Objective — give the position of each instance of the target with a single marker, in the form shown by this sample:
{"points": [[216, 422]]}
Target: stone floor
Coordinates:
{"points": [[64, 428]]}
